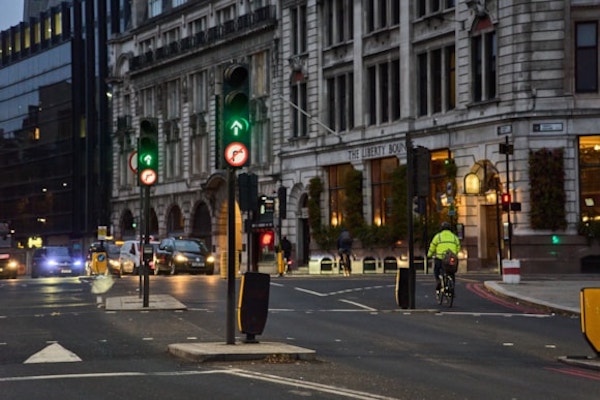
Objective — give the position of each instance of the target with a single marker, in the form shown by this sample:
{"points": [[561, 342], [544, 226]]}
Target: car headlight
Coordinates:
{"points": [[114, 263], [210, 259], [77, 263], [52, 262], [12, 264], [180, 258]]}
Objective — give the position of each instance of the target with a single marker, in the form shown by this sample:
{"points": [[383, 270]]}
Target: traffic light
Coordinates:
{"points": [[419, 205], [505, 201], [148, 152], [282, 198], [421, 162], [236, 115], [248, 191]]}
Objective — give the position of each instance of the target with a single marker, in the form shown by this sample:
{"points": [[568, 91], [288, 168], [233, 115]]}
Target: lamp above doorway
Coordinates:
{"points": [[472, 184]]}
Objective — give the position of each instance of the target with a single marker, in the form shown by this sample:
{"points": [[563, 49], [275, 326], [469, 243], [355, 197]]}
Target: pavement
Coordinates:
{"points": [[558, 293]]}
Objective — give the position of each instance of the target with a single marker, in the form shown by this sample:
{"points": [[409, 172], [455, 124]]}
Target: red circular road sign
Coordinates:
{"points": [[148, 177], [236, 154], [133, 161]]}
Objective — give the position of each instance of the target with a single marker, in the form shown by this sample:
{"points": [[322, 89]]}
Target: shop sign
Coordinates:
{"points": [[377, 151]]}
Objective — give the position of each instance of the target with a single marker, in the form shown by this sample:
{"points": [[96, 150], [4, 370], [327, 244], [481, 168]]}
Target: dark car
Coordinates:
{"points": [[55, 261], [183, 255], [9, 266]]}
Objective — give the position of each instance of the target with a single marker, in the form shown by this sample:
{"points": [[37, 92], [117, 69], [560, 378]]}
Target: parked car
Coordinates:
{"points": [[9, 266], [130, 257], [55, 261], [183, 255]]}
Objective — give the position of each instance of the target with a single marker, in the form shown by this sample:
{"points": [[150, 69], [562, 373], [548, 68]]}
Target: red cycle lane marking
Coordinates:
{"points": [[480, 290], [576, 372]]}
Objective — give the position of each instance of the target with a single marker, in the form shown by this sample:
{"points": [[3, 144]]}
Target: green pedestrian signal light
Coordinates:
{"points": [[235, 140], [148, 152]]}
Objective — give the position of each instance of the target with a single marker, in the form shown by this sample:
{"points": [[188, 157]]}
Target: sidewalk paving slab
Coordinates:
{"points": [[560, 296], [583, 361]]}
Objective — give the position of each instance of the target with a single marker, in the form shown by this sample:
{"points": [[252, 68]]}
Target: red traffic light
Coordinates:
{"points": [[505, 201]]}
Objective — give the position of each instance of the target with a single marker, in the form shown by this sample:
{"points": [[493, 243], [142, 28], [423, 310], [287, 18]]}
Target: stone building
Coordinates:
{"points": [[502, 94]]}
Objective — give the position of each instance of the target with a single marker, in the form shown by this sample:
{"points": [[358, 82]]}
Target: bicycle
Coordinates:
{"points": [[448, 281], [345, 263]]}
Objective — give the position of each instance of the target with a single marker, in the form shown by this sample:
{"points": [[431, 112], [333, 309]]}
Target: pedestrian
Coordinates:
{"points": [[444, 240], [286, 247]]}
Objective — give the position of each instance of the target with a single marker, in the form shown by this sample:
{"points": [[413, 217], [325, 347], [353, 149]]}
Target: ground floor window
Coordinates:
{"points": [[381, 185], [337, 193], [589, 178]]}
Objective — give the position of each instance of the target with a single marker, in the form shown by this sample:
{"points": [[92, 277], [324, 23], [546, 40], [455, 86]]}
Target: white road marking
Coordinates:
{"points": [[274, 379], [359, 305], [492, 314], [297, 383], [338, 292], [53, 353], [311, 292]]}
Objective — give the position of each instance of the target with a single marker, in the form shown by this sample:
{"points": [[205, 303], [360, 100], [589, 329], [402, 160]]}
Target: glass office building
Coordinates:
{"points": [[54, 165]]}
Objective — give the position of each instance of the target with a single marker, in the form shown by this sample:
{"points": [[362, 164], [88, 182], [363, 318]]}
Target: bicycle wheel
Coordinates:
{"points": [[440, 293], [450, 293]]}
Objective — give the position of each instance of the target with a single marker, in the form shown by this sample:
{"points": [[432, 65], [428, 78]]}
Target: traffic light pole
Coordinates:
{"points": [[231, 256], [146, 299], [147, 176], [509, 249], [410, 171]]}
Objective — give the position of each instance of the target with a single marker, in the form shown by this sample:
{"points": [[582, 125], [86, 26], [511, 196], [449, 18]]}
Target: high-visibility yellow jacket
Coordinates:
{"points": [[442, 241]]}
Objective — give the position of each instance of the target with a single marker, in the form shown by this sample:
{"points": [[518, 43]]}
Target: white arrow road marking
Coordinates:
{"points": [[54, 353]]}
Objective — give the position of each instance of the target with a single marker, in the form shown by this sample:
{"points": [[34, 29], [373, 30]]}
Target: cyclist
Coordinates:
{"points": [[344, 244], [444, 240]]}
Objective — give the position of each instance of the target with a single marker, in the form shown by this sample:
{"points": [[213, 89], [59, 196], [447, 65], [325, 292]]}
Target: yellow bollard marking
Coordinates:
{"points": [[590, 316]]}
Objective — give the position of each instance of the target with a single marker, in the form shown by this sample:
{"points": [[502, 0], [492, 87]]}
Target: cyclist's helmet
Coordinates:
{"points": [[445, 225]]}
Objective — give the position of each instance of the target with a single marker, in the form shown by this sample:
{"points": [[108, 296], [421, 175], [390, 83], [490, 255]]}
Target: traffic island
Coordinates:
{"points": [[206, 352], [135, 303]]}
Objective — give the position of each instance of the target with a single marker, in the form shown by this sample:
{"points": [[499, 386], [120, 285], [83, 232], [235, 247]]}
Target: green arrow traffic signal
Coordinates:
{"points": [[235, 111], [238, 127], [148, 151]]}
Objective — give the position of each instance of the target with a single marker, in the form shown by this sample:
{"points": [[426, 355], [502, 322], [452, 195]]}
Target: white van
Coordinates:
{"points": [[130, 257]]}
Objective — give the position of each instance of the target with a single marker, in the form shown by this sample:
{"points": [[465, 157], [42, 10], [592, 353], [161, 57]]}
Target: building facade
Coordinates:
{"points": [[53, 180], [502, 94]]}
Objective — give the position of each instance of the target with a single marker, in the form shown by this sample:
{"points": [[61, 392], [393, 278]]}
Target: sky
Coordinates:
{"points": [[11, 13]]}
